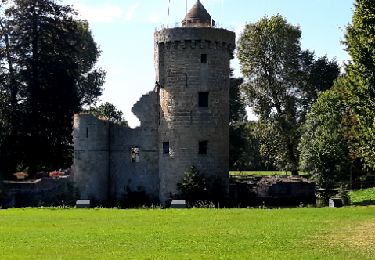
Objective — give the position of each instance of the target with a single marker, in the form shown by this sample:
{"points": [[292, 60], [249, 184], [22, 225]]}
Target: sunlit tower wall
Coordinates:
{"points": [[192, 65]]}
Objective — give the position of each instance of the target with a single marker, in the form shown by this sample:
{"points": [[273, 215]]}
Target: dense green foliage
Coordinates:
{"points": [[244, 147], [47, 74], [109, 112], [361, 79], [324, 148], [339, 134], [188, 234], [281, 82], [237, 106]]}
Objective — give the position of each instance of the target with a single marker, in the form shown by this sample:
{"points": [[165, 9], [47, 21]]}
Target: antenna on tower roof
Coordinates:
{"points": [[169, 6]]}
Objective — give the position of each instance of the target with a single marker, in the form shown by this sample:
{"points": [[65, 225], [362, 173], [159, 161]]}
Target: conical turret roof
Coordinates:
{"points": [[198, 17]]}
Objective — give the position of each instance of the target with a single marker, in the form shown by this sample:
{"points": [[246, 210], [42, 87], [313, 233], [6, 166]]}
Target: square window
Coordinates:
{"points": [[203, 99], [165, 147], [203, 147], [203, 58]]}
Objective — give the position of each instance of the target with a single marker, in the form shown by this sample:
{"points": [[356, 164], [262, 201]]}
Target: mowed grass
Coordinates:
{"points": [[363, 197], [306, 233]]}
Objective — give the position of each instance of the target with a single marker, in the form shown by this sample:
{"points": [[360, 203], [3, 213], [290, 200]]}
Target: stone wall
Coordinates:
{"points": [[39, 192], [247, 190], [91, 157], [182, 74], [142, 175], [103, 168]]}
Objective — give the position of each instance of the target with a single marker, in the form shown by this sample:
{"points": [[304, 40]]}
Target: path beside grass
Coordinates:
{"points": [[346, 233]]}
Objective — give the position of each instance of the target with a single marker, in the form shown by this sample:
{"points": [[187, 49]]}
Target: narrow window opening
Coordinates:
{"points": [[134, 156], [87, 132], [166, 148], [203, 58], [203, 99], [203, 147]]}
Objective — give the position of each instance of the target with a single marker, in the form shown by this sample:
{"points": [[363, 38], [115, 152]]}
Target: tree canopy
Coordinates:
{"points": [[325, 151], [361, 78], [281, 81], [47, 74], [109, 112], [339, 134]]}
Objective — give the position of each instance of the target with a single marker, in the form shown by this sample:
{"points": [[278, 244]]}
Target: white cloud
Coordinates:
{"points": [[99, 14], [106, 13], [131, 12]]}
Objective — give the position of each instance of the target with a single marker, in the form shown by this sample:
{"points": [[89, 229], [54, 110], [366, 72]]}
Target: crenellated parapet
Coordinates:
{"points": [[195, 38]]}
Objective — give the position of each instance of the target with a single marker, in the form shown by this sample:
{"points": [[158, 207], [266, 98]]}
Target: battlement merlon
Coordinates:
{"points": [[197, 34]]}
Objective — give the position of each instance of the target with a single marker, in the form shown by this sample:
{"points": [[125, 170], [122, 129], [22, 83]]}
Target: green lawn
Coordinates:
{"points": [[306, 233], [363, 197]]}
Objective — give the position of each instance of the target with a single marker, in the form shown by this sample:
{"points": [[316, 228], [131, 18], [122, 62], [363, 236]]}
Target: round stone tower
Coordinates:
{"points": [[192, 65]]}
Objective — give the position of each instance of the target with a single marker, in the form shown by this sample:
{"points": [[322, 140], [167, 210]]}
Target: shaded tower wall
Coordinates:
{"points": [[91, 157], [189, 61]]}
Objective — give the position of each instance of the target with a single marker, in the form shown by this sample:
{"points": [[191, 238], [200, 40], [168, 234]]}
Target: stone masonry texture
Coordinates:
{"points": [[188, 60]]}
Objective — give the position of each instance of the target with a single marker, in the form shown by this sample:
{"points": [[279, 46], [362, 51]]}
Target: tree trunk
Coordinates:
{"points": [[294, 172]]}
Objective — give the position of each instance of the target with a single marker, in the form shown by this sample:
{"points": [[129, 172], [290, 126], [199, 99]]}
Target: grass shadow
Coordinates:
{"points": [[364, 203]]}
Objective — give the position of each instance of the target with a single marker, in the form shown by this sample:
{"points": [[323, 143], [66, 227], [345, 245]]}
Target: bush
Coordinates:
{"points": [[193, 186]]}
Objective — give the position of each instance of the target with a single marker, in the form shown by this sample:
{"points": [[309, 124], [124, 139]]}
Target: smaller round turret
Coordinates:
{"points": [[198, 17]]}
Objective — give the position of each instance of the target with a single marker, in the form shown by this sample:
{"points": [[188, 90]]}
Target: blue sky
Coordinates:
{"points": [[124, 31]]}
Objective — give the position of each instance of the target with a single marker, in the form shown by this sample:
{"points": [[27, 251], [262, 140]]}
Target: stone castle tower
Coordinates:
{"points": [[184, 121], [192, 68]]}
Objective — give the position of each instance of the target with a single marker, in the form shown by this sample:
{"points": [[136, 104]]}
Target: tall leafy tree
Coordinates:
{"points": [[360, 79], [324, 146], [281, 82], [340, 130], [49, 75]]}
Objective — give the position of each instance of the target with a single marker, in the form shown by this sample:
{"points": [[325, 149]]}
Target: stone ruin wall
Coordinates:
{"points": [[143, 176], [103, 167]]}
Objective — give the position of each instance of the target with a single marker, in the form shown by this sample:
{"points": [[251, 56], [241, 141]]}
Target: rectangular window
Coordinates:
{"points": [[166, 148], [87, 132], [203, 99], [203, 58], [134, 154], [203, 147]]}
